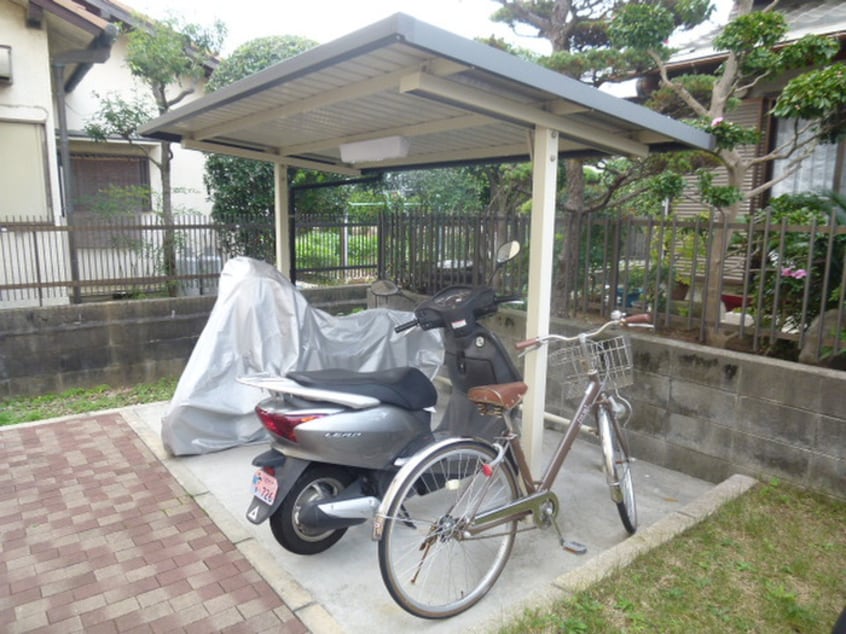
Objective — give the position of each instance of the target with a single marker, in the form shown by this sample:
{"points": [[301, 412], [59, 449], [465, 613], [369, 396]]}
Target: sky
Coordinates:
{"points": [[325, 20]]}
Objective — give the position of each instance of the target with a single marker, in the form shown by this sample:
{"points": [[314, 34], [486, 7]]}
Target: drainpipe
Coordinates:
{"points": [[97, 53]]}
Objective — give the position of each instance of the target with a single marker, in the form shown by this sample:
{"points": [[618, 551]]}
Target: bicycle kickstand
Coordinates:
{"points": [[577, 548]]}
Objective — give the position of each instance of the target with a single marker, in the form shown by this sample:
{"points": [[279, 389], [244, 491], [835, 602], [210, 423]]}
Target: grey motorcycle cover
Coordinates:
{"points": [[261, 325]]}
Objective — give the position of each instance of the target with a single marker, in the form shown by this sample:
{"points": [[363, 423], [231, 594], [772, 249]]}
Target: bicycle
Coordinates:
{"points": [[448, 521]]}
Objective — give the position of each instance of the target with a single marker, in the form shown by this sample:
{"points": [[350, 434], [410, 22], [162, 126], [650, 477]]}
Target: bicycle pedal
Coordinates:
{"points": [[576, 548]]}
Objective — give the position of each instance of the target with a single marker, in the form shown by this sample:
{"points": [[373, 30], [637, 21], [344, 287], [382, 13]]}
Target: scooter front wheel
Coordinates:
{"points": [[318, 481]]}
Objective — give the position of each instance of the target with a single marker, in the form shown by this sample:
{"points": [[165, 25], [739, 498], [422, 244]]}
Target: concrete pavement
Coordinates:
{"points": [[345, 581]]}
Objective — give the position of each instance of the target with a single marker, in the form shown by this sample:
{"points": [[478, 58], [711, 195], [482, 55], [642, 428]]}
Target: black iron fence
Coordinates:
{"points": [[426, 252], [107, 256], [332, 250], [764, 284]]}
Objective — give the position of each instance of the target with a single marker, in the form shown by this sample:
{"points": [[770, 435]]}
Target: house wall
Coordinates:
{"points": [[748, 114], [29, 97], [114, 76]]}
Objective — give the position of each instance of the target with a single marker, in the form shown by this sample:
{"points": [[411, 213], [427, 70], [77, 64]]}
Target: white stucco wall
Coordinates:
{"points": [[113, 76], [29, 98]]}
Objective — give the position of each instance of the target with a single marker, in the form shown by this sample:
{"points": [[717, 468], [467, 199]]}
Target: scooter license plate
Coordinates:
{"points": [[264, 487]]}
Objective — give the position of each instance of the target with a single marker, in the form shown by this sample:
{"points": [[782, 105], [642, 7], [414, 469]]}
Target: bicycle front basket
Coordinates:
{"points": [[612, 357]]}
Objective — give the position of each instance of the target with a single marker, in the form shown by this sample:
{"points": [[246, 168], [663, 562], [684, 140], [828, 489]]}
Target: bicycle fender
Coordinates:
{"points": [[408, 467], [286, 475]]}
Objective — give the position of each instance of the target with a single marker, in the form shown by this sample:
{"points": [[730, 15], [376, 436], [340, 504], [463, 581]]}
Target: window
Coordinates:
{"points": [[110, 184], [821, 172], [108, 191], [23, 172]]}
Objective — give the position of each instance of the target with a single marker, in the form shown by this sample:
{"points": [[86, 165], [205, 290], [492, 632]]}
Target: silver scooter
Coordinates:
{"points": [[340, 436]]}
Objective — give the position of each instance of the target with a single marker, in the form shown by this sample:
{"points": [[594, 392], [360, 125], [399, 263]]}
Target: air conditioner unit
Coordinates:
{"points": [[5, 64]]}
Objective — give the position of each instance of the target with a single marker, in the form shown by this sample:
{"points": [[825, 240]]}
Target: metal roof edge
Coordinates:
{"points": [[424, 36], [472, 53], [365, 39]]}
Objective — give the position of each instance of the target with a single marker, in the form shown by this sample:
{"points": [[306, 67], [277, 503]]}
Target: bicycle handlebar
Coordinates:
{"points": [[644, 319]]}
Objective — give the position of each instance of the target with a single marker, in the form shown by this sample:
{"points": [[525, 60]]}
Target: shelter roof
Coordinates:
{"points": [[430, 95]]}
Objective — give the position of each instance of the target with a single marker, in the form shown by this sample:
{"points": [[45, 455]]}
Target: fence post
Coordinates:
{"points": [[37, 267]]}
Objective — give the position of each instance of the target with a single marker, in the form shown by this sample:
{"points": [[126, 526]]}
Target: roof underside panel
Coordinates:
{"points": [[452, 99]]}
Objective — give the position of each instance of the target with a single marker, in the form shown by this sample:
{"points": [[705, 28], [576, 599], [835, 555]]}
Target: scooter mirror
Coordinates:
{"points": [[507, 251], [384, 288]]}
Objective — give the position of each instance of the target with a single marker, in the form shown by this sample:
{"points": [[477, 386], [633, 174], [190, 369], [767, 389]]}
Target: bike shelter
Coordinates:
{"points": [[403, 94]]}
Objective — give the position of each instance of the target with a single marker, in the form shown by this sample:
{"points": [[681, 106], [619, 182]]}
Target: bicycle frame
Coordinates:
{"points": [[540, 494]]}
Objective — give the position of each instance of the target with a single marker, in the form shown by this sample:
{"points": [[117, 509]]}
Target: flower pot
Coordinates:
{"points": [[679, 291]]}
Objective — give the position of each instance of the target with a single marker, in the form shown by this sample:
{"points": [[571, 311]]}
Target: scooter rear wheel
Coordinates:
{"points": [[318, 481]]}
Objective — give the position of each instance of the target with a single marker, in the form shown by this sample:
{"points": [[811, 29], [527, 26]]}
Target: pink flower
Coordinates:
{"points": [[716, 122], [797, 274]]}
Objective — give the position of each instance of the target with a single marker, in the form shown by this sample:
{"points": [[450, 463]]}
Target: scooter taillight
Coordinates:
{"points": [[283, 423]]}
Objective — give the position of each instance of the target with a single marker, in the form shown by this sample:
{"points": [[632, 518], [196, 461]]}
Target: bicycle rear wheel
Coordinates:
{"points": [[430, 565], [615, 451]]}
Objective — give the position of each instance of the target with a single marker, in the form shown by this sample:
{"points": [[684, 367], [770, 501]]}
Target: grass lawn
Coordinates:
{"points": [[771, 561], [80, 400]]}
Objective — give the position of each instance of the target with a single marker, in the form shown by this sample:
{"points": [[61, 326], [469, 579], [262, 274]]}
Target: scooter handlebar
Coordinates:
{"points": [[406, 326]]}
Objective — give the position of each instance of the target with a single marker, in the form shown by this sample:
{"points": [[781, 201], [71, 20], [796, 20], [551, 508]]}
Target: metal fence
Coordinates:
{"points": [[775, 284], [332, 250], [112, 256], [426, 252]]}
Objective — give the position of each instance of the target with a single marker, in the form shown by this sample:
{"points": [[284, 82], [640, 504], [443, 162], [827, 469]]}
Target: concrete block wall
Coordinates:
{"points": [[55, 348], [711, 413]]}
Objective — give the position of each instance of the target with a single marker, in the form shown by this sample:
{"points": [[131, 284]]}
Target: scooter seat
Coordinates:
{"points": [[408, 388]]}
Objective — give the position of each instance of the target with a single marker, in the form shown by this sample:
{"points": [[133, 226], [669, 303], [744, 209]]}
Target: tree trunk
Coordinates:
{"points": [[169, 238], [721, 238], [568, 259]]}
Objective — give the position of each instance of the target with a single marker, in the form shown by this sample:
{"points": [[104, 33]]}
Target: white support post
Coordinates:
{"points": [[544, 187], [283, 216]]}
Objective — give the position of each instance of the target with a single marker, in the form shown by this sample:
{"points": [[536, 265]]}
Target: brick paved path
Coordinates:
{"points": [[97, 536]]}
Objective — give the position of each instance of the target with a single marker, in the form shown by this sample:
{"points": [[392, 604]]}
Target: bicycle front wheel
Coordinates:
{"points": [[431, 565], [618, 470]]}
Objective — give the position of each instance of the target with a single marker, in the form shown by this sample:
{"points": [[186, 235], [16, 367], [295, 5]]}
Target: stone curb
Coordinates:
{"points": [[315, 617], [653, 536], [619, 556]]}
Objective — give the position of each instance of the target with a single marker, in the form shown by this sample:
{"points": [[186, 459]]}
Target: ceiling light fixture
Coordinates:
{"points": [[375, 150]]}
